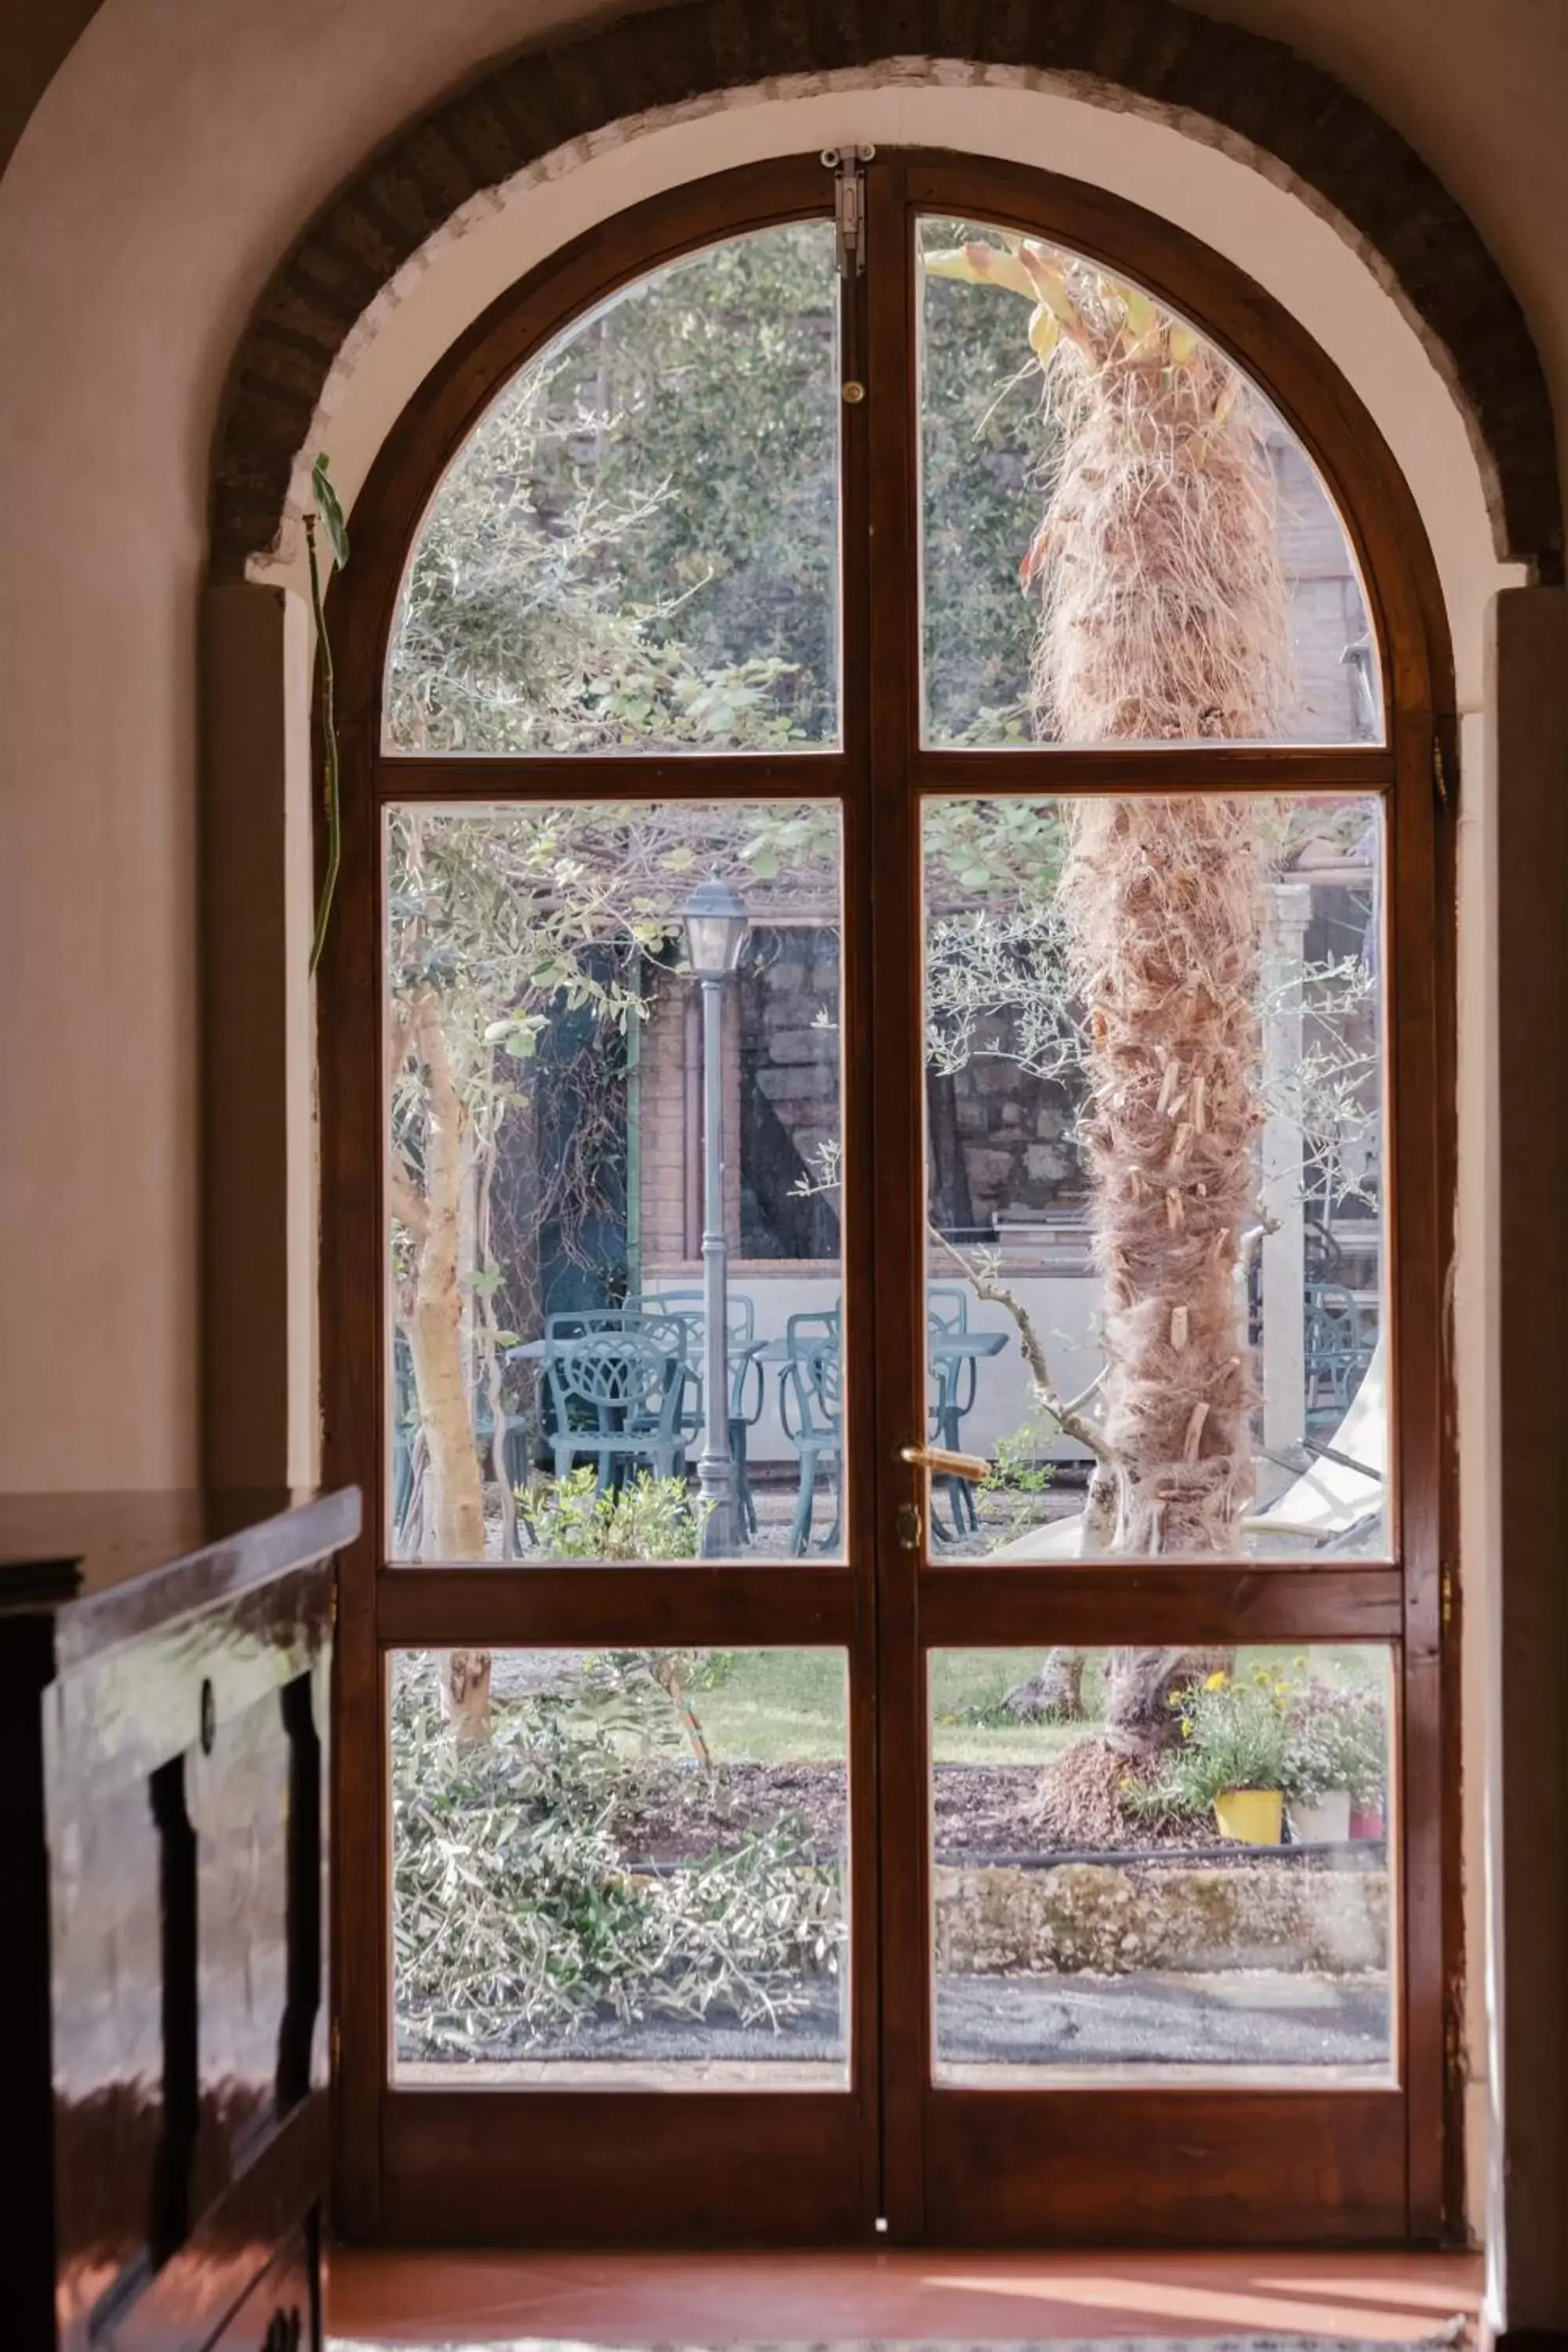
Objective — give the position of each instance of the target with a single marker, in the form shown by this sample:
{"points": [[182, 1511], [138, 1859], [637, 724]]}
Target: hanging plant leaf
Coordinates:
{"points": [[327, 508]]}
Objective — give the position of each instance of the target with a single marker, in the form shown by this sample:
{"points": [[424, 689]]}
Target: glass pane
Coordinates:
{"points": [[575, 1105], [1185, 577], [620, 1868], [1163, 1865], [1156, 1251], [636, 549]]}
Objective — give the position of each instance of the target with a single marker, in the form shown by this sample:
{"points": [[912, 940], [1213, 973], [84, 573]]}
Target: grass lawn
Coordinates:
{"points": [[779, 1706]]}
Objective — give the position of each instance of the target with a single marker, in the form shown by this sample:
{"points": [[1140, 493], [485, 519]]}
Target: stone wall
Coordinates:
{"points": [[1015, 1133], [1113, 1918]]}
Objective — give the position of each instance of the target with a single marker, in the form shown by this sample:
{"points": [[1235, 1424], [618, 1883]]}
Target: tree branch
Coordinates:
{"points": [[1069, 1418], [407, 1203]]}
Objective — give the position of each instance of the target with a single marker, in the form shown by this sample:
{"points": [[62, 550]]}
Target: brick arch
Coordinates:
{"points": [[1210, 79]]}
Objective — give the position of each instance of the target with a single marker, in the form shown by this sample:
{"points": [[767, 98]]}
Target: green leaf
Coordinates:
{"points": [[330, 512]]}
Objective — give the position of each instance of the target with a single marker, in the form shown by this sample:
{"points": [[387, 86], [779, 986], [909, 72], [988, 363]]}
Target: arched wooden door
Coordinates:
{"points": [[894, 875]]}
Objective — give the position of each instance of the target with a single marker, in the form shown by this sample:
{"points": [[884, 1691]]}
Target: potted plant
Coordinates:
{"points": [[1231, 1756], [1335, 1758]]}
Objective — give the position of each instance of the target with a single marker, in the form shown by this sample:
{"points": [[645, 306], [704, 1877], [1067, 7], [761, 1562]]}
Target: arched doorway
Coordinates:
{"points": [[1075, 1004]]}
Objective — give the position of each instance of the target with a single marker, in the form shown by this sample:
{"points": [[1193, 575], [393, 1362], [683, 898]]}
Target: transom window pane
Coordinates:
{"points": [[1155, 1245], [1123, 541], [638, 548], [614, 1132]]}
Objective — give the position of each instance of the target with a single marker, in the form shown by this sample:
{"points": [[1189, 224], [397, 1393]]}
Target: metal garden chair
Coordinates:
{"points": [[740, 1338], [811, 1409], [1338, 1350], [616, 1396], [957, 1381]]}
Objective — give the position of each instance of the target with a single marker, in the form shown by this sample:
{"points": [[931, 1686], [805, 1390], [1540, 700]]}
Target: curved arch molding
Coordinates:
{"points": [[1208, 79]]}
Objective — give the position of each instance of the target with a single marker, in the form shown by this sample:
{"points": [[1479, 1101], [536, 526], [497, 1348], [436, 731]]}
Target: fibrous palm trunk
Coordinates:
{"points": [[1163, 620]]}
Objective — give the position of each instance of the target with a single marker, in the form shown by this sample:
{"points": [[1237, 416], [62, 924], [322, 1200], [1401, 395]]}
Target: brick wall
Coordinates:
{"points": [[1328, 613], [1210, 79]]}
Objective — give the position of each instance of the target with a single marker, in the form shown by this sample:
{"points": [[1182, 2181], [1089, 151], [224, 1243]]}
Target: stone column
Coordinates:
{"points": [[1284, 1215], [1527, 1750]]}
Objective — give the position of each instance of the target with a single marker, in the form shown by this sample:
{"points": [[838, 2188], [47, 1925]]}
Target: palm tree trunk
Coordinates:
{"points": [[1166, 904], [1164, 620]]}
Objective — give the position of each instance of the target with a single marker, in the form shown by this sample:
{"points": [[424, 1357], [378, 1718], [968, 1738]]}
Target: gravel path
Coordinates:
{"points": [[1259, 2018]]}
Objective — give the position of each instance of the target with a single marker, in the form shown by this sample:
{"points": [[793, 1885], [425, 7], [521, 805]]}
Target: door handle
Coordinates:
{"points": [[941, 1462]]}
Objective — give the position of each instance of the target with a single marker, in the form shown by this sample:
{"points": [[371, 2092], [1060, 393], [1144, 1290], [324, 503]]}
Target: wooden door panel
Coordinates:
{"points": [[1102, 2167], [493, 2168]]}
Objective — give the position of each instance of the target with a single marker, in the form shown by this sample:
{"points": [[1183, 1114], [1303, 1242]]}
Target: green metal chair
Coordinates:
{"points": [[1337, 1347], [810, 1410], [957, 1384], [615, 1396], [740, 1337]]}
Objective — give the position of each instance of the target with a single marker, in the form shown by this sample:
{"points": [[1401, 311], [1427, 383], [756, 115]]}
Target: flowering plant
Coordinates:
{"points": [[1336, 1738], [1232, 1736]]}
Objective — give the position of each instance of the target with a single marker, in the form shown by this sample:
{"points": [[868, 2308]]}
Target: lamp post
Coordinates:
{"points": [[715, 919]]}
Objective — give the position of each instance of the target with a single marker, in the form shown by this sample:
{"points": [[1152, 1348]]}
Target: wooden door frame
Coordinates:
{"points": [[393, 2150]]}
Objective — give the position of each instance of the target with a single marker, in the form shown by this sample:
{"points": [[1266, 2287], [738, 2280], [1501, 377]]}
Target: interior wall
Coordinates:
{"points": [[167, 167]]}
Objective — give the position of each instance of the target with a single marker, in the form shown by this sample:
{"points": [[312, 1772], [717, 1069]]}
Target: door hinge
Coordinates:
{"points": [[849, 204], [1439, 771], [1445, 1597]]}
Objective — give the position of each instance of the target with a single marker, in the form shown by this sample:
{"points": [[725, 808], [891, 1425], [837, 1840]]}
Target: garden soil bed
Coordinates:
{"points": [[982, 1811]]}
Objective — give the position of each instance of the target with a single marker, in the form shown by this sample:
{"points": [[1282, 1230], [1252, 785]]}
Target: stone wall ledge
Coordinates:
{"points": [[1115, 1919]]}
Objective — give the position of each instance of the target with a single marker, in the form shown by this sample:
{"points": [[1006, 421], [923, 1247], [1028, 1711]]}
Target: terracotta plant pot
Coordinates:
{"points": [[1252, 1816], [1325, 1822], [1366, 1822]]}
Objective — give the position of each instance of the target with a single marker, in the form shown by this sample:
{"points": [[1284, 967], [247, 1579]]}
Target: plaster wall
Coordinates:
{"points": [[168, 164]]}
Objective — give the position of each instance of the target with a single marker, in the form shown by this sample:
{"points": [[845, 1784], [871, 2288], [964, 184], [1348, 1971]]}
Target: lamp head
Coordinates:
{"points": [[715, 918]]}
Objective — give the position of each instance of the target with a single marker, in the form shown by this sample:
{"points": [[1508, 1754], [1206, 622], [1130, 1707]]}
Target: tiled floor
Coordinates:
{"points": [[626, 2299]]}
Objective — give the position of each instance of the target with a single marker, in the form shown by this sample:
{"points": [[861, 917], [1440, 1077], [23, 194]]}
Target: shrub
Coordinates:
{"points": [[648, 1519], [516, 1916]]}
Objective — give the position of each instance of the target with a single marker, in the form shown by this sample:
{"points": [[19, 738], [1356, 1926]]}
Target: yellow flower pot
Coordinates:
{"points": [[1252, 1816]]}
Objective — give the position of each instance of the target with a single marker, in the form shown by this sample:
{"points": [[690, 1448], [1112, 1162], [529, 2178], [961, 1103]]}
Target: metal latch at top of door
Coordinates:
{"points": [[849, 204], [846, 165]]}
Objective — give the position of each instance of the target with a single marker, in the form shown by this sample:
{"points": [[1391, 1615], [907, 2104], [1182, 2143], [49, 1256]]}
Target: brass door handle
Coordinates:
{"points": [[942, 1464]]}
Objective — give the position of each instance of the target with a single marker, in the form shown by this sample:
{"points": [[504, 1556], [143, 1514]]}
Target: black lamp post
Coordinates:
{"points": [[715, 918]]}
